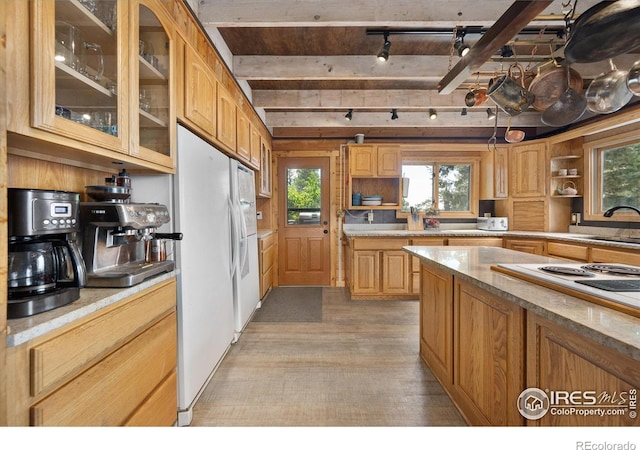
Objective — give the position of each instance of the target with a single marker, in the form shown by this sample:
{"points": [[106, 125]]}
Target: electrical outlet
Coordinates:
{"points": [[259, 215], [370, 217]]}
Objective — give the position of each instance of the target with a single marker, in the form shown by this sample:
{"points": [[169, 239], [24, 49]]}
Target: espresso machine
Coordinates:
{"points": [[119, 242], [45, 267]]}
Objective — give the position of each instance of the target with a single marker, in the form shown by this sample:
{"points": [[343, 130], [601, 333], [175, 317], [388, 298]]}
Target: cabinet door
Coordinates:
{"points": [[153, 47], [243, 136], [389, 162], [436, 323], [255, 148], [395, 272], [501, 173], [79, 89], [366, 272], [489, 356], [264, 189], [559, 359], [199, 93], [226, 118], [528, 170], [363, 160]]}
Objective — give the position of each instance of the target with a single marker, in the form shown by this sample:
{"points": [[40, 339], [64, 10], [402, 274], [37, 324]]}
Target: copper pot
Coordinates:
{"points": [[475, 97], [513, 136]]}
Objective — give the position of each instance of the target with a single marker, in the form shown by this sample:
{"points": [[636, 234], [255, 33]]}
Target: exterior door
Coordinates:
{"points": [[303, 239]]}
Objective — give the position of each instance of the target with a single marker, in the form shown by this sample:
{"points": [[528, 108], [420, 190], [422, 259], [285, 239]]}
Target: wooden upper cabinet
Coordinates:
{"points": [[243, 136], [501, 173], [527, 168], [226, 118], [199, 93], [389, 161], [375, 161], [363, 161]]}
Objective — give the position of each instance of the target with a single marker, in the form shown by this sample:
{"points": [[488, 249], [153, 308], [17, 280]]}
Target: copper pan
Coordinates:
{"points": [[550, 83]]}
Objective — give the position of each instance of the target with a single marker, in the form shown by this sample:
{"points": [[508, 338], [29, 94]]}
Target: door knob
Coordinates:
{"points": [[325, 231]]}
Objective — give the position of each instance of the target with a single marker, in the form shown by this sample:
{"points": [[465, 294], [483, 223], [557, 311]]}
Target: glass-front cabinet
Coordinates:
{"points": [[151, 96], [78, 88], [101, 75]]}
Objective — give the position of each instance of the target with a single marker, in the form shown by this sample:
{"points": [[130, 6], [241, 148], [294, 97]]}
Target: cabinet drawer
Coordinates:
{"points": [[265, 242], [160, 409], [379, 244], [109, 392], [476, 241], [604, 255], [72, 351], [570, 251]]}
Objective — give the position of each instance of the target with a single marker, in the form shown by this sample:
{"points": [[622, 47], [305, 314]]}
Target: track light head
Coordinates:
{"points": [[459, 44], [383, 54], [506, 51], [490, 114], [394, 114], [349, 115], [463, 112], [433, 115]]}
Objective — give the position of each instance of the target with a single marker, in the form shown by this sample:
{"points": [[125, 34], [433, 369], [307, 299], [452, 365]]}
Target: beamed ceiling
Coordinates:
{"points": [[308, 62]]}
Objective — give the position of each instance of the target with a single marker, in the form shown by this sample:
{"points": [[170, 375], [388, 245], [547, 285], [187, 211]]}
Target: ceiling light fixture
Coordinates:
{"points": [[383, 54], [394, 114], [349, 115], [506, 51], [459, 44], [490, 114], [433, 115]]}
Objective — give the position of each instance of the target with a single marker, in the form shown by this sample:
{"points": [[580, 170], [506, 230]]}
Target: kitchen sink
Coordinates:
{"points": [[626, 240]]}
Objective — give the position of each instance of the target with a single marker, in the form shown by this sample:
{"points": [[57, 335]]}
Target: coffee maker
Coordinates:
{"points": [[116, 242], [45, 267]]}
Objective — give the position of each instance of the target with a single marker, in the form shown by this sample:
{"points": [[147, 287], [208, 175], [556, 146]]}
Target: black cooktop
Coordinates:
{"points": [[626, 285]]}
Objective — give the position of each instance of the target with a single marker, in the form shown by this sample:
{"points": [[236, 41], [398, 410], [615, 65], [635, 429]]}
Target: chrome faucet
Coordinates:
{"points": [[609, 212]]}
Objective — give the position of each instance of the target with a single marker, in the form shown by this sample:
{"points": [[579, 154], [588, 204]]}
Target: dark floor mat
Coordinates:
{"points": [[291, 304]]}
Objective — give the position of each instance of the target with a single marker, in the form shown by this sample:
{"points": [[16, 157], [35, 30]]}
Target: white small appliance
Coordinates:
{"points": [[493, 223]]}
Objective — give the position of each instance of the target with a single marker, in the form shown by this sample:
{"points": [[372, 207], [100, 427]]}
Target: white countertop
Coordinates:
{"points": [[607, 326], [90, 301]]}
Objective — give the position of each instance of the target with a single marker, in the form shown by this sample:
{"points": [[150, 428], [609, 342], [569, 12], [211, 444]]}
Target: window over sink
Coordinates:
{"points": [[614, 181]]}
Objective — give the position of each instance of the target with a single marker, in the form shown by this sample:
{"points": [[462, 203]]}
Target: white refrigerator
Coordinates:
{"points": [[246, 283], [207, 209]]}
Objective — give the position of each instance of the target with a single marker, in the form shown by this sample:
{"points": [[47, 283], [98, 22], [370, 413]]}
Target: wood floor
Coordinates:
{"points": [[358, 367]]}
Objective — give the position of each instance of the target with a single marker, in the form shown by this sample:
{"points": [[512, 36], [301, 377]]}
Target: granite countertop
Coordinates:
{"points": [[607, 326], [375, 231], [90, 301]]}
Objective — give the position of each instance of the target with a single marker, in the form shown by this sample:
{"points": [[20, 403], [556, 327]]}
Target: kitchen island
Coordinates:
{"points": [[499, 344]]}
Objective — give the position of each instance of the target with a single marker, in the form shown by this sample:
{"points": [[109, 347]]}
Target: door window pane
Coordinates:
{"points": [[304, 196]]}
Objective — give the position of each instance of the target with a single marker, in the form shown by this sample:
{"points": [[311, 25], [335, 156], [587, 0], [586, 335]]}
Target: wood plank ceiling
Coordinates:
{"points": [[307, 62]]}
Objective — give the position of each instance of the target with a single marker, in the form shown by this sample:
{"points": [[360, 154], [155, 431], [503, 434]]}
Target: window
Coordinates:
{"points": [[615, 178], [447, 186], [304, 198]]}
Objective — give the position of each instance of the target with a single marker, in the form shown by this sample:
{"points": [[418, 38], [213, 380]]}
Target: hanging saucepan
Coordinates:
{"points": [[568, 108], [512, 97], [633, 78], [513, 136], [550, 83], [475, 97], [608, 92], [607, 29]]}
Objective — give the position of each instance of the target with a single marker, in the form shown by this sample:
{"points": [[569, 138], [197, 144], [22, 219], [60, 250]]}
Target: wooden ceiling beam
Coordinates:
{"points": [[519, 15]]}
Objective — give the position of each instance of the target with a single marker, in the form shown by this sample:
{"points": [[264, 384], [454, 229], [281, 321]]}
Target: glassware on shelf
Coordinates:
{"points": [[145, 101]]}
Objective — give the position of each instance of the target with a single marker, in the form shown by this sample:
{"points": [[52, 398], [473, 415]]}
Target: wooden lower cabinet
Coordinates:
{"points": [[579, 373], [114, 367], [573, 252], [488, 356], [265, 250], [379, 269]]}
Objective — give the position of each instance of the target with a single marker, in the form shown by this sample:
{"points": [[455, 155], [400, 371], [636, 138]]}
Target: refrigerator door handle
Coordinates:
{"points": [[235, 242], [243, 239]]}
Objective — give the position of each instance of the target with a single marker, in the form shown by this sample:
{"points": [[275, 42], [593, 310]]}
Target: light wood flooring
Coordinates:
{"points": [[359, 367]]}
